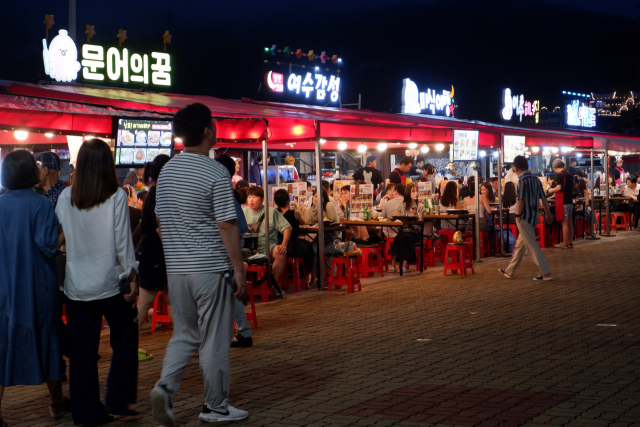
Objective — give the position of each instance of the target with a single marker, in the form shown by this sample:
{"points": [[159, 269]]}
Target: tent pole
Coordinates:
{"points": [[477, 185], [592, 218], [606, 180], [265, 187], [500, 196], [320, 240]]}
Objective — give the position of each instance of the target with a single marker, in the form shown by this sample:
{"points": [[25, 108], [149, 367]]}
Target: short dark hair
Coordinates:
{"points": [[281, 198], [190, 123], [494, 179], [573, 159], [521, 163], [633, 179], [429, 168], [557, 163], [419, 159], [95, 179], [406, 160], [20, 171], [346, 188], [400, 188], [152, 169], [243, 183], [256, 191], [551, 176], [228, 163], [309, 184], [243, 193]]}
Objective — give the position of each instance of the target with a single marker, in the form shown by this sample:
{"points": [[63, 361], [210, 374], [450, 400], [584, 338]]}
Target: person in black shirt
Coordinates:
{"points": [[369, 174], [563, 190], [417, 168], [398, 175]]}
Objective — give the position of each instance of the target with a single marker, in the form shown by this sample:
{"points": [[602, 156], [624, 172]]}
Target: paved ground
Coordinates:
{"points": [[426, 350]]}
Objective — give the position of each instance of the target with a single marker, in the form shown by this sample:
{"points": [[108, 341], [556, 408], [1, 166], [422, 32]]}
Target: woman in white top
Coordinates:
{"points": [[632, 190], [100, 280], [485, 210], [449, 200]]}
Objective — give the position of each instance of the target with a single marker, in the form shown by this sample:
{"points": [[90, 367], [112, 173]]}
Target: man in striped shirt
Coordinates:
{"points": [[530, 193], [202, 250]]}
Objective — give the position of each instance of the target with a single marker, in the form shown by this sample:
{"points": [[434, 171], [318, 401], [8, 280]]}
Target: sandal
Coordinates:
{"points": [[57, 410], [143, 355]]}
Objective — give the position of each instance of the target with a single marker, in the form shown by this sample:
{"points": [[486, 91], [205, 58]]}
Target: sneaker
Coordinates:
{"points": [[542, 278], [59, 411], [561, 246], [391, 270], [241, 341], [504, 273], [232, 414], [161, 406]]}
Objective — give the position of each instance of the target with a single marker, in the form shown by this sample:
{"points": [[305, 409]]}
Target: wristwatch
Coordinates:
{"points": [[517, 216]]}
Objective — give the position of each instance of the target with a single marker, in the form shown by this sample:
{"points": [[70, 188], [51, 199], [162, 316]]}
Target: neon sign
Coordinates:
{"points": [[60, 63], [516, 104], [274, 81], [580, 115], [415, 102], [315, 82]]}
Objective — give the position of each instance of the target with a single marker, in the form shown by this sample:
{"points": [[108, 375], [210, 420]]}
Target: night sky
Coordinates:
{"points": [[480, 47]]}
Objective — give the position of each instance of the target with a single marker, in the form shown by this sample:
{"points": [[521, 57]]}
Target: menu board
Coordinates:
{"points": [[298, 193], [465, 145], [424, 192], [139, 141], [513, 146], [273, 193], [361, 196]]}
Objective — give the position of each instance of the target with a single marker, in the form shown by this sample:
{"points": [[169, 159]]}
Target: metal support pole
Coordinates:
{"points": [[265, 187], [477, 185], [72, 20], [320, 238], [606, 180], [592, 219], [500, 196]]}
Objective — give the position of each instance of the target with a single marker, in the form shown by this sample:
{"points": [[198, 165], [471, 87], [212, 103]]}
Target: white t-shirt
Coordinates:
{"points": [[629, 192], [511, 176], [99, 247], [391, 208], [194, 195]]}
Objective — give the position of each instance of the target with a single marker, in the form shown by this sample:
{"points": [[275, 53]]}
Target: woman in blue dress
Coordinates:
{"points": [[29, 349]]}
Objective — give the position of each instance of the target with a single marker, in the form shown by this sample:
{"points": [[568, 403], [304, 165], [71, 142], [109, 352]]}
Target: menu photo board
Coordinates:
{"points": [[424, 192], [513, 146], [298, 194], [465, 145], [361, 196], [139, 141]]}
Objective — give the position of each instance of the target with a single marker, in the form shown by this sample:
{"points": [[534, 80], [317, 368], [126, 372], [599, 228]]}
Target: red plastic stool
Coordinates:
{"points": [[459, 253], [387, 251], [252, 315], [298, 277], [619, 226], [160, 312], [435, 251], [425, 262], [349, 276], [485, 246], [264, 291], [372, 260]]}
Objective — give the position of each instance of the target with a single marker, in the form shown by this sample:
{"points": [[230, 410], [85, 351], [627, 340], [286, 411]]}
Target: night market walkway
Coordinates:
{"points": [[471, 351]]}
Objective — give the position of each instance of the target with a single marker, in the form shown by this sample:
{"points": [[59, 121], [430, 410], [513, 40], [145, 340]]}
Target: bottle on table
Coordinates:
{"points": [[366, 212]]}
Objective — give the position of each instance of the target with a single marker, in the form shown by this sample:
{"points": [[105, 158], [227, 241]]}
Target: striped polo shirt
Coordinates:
{"points": [[530, 190], [193, 195]]}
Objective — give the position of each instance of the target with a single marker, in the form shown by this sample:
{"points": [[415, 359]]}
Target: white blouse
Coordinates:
{"points": [[99, 246]]}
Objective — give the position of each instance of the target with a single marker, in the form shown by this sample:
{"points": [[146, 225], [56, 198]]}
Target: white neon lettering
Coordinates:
{"points": [[294, 82], [92, 59], [162, 67], [308, 80], [415, 102], [115, 64]]}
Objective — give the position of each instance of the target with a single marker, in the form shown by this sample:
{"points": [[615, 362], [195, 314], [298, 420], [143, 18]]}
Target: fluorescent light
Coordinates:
{"points": [[21, 135], [342, 146], [413, 146], [382, 146], [439, 147], [482, 153], [535, 149], [49, 135], [362, 148], [554, 150], [424, 149]]}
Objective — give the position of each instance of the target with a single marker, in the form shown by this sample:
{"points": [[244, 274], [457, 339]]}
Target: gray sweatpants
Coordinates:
{"points": [[203, 307]]}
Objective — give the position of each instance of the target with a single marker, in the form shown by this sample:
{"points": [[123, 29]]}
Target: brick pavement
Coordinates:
{"points": [[427, 350]]}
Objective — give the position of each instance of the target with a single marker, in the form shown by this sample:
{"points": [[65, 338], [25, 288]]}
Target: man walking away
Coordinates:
{"points": [[529, 194], [202, 251]]}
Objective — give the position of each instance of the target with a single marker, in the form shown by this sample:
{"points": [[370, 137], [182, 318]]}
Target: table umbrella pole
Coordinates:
{"points": [[320, 239]]}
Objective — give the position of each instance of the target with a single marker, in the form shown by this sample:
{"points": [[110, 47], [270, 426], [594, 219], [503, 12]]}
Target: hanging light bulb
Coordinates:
{"points": [[362, 148], [342, 146], [322, 141], [482, 153], [382, 146], [554, 150], [439, 147], [21, 135], [496, 154], [49, 135], [578, 155], [413, 146], [424, 149], [535, 149]]}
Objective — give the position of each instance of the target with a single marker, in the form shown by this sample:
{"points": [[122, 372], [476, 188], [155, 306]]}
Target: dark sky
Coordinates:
{"points": [[535, 47]]}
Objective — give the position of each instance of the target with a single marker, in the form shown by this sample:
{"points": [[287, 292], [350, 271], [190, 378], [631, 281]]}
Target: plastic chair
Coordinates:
{"points": [[264, 291], [298, 275], [459, 253], [435, 251], [253, 316], [160, 312], [624, 225], [347, 274], [372, 260]]}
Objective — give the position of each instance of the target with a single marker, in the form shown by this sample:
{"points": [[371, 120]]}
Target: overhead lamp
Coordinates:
{"points": [[382, 146], [439, 147], [178, 139], [88, 137], [362, 148], [424, 149], [342, 146], [49, 135], [21, 135], [317, 68], [566, 149], [482, 153], [578, 155], [535, 149], [322, 141], [413, 146], [554, 150], [339, 59], [496, 154]]}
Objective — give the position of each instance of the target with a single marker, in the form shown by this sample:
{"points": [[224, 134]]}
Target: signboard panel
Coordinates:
{"points": [[139, 141], [513, 146], [465, 145]]}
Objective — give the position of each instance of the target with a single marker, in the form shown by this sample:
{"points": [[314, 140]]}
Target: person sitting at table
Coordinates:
{"points": [[328, 211], [389, 210], [387, 194], [485, 210], [254, 213], [584, 192], [494, 185], [243, 194], [632, 189], [487, 191], [550, 178], [509, 200], [449, 200], [327, 186], [243, 183], [297, 248], [410, 234], [359, 232]]}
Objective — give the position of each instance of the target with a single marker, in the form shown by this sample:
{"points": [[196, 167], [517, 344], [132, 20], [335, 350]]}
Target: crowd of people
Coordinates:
{"points": [[99, 250]]}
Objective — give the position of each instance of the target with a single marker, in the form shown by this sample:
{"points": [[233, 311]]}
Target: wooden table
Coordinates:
{"points": [[393, 224], [314, 230]]}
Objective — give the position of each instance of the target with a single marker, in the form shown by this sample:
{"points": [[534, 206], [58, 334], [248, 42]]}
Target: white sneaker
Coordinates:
{"points": [[161, 406], [210, 416]]}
